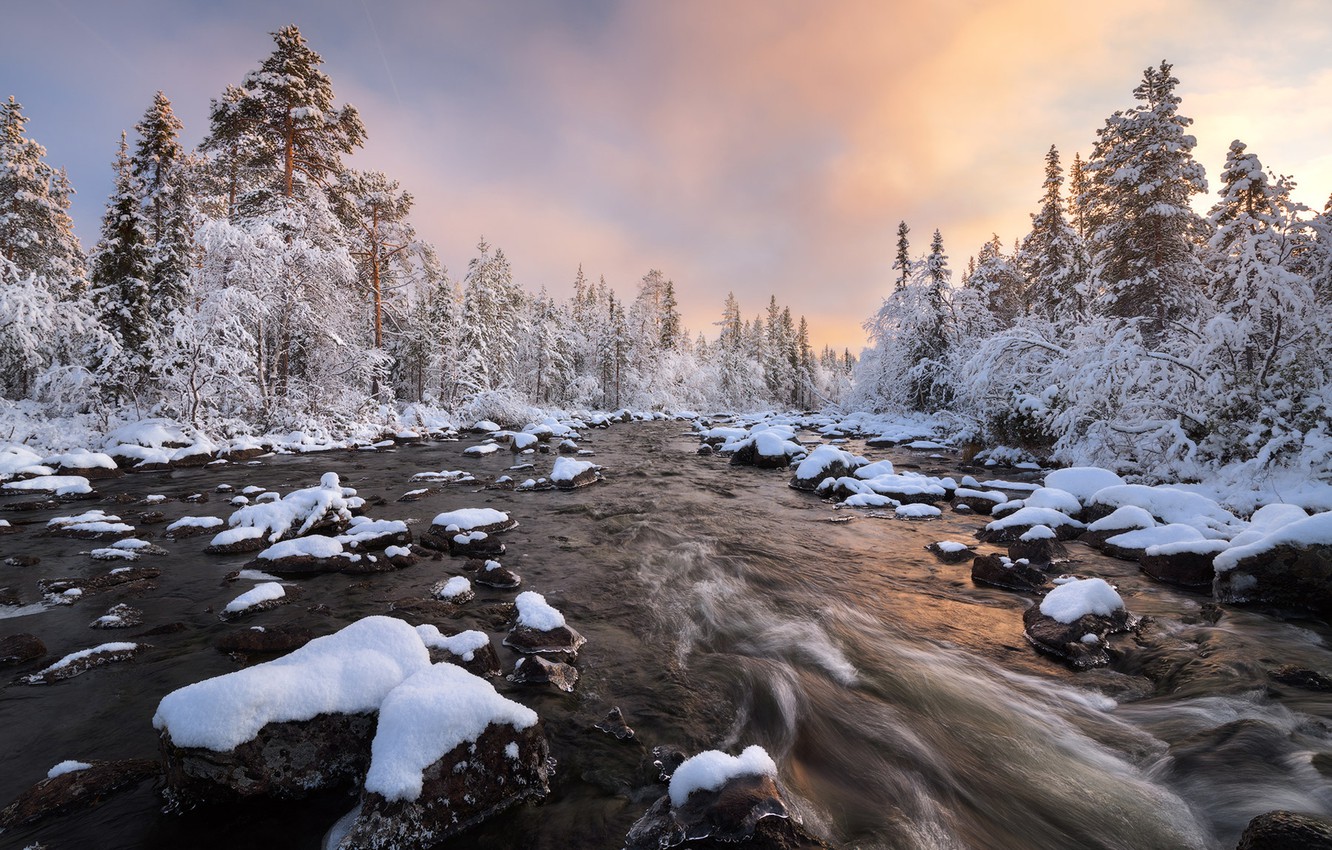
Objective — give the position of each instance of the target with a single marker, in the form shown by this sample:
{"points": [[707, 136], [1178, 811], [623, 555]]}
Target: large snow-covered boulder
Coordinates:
{"points": [[1132, 545], [449, 753], [450, 524], [82, 462], [1018, 523], [825, 462], [568, 473], [1073, 621], [1167, 505], [770, 449], [1289, 567], [1118, 521], [324, 508], [1082, 482], [290, 726], [1187, 563]]}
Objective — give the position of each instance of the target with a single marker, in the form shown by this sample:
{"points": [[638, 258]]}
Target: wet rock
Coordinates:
{"points": [[467, 785], [22, 561], [570, 474], [235, 544], [10, 595], [75, 790], [264, 640], [65, 590], [1282, 830], [705, 450], [470, 650], [1302, 678], [21, 648], [456, 591], [120, 616], [492, 574], [614, 725], [151, 518], [950, 552], [1082, 643], [536, 670], [1283, 576], [747, 809], [286, 760], [665, 759], [1038, 546], [78, 663], [1185, 569], [474, 544], [1007, 574], [977, 501], [419, 611], [261, 597], [562, 641]]}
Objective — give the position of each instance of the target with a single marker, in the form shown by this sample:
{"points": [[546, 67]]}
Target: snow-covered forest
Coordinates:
{"points": [[1125, 328], [260, 282]]}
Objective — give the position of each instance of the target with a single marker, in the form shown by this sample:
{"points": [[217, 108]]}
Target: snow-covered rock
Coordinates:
{"points": [[568, 473], [261, 597], [1289, 567], [540, 629], [449, 752], [1007, 574], [78, 663], [1132, 545], [471, 650], [1014, 525], [1073, 621], [1082, 481], [1167, 505], [289, 726], [56, 485], [322, 508], [825, 462]]}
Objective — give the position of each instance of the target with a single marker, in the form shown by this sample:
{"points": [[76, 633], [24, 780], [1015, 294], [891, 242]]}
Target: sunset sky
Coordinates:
{"points": [[756, 146]]}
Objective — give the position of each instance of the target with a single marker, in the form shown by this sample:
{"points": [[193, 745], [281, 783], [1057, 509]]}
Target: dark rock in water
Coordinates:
{"points": [[439, 588], [614, 725], [1186, 569], [286, 760], [69, 589], [665, 759], [1039, 551], [536, 670], [10, 596], [75, 790], [748, 455], [1066, 642], [440, 538], [290, 593], [22, 560], [475, 544], [746, 809], [950, 555], [1299, 677], [237, 547], [705, 450], [21, 648], [1282, 830], [563, 641], [264, 640], [120, 616], [484, 661], [1004, 573], [1284, 576], [467, 785], [151, 518], [165, 629], [492, 574], [962, 508], [78, 663]]}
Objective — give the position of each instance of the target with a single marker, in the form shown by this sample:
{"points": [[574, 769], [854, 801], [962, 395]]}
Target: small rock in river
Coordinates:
{"points": [[614, 725], [75, 789], [535, 670], [21, 648]]}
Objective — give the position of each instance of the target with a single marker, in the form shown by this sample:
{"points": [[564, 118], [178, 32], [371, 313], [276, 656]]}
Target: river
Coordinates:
{"points": [[721, 608]]}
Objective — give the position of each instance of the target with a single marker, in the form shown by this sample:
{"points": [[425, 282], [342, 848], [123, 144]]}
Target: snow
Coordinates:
{"points": [[61, 485], [1160, 535], [397, 551], [364, 529], [84, 653], [1193, 547], [80, 459], [710, 770], [68, 766], [1033, 516], [534, 613], [951, 546], [463, 645], [427, 716], [236, 535], [485, 425], [1038, 532], [1315, 530], [20, 460], [465, 519], [567, 469], [1050, 497], [1082, 481], [1129, 516], [314, 546], [456, 586], [348, 672], [260, 593], [92, 522], [195, 522], [875, 469], [995, 496], [823, 457], [298, 511], [1172, 506], [917, 511], [483, 449], [1076, 598], [869, 500], [150, 433]]}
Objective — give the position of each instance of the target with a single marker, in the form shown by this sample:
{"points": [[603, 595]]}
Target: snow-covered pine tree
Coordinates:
{"points": [[1048, 255], [162, 168], [1000, 284], [1144, 235], [490, 321], [121, 273], [902, 258]]}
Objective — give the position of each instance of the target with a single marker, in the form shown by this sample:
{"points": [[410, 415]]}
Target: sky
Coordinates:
{"points": [[761, 147]]}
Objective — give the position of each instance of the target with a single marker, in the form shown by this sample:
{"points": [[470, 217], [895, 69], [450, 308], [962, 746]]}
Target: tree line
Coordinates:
{"points": [[1125, 327], [259, 279]]}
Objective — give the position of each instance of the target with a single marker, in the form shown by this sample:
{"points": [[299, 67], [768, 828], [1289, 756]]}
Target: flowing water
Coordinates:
{"points": [[721, 608]]}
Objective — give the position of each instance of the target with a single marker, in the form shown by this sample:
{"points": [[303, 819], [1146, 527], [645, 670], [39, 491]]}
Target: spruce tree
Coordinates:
{"points": [[1047, 256], [121, 272], [159, 164], [1144, 234], [902, 259]]}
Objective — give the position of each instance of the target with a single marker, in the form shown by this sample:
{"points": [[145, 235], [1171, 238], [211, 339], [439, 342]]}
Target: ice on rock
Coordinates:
{"points": [[427, 715], [348, 672], [1077, 598], [709, 771]]}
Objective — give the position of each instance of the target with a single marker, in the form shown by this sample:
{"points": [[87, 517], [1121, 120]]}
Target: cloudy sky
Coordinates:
{"points": [[756, 146]]}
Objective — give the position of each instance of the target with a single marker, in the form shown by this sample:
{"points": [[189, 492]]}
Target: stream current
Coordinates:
{"points": [[721, 608]]}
